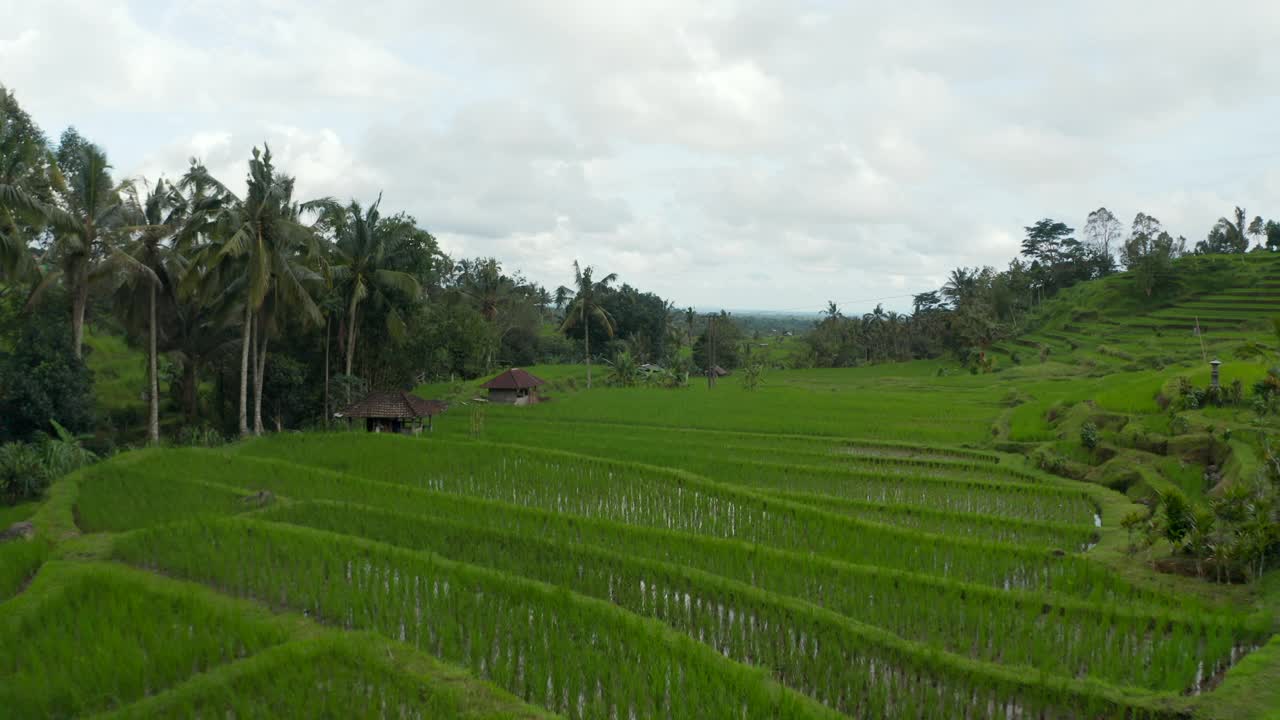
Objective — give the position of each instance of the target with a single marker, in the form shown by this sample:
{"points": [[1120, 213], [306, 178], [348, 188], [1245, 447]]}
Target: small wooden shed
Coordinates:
{"points": [[514, 387], [396, 412]]}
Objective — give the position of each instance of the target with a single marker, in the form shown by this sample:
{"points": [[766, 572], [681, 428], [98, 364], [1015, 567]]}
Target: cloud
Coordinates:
{"points": [[736, 153]]}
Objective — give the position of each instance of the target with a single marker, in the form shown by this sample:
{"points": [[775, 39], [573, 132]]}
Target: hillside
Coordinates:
{"points": [[898, 540]]}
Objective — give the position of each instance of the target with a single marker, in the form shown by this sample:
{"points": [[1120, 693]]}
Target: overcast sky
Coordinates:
{"points": [[765, 155]]}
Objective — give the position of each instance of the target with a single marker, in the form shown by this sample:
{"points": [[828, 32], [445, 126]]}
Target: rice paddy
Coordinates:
{"points": [[854, 542]]}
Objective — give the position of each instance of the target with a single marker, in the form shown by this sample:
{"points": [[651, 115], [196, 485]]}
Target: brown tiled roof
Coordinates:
{"points": [[513, 379], [401, 405]]}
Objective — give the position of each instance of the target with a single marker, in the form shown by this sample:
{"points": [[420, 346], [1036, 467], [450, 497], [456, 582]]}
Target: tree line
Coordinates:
{"points": [[260, 309], [978, 307]]}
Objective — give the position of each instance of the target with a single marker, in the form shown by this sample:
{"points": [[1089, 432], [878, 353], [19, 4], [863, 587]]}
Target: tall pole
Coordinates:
{"points": [[327, 320], [711, 351], [1200, 334]]}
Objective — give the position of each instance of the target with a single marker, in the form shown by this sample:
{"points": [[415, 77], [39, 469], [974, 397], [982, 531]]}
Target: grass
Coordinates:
{"points": [[10, 514], [875, 541], [119, 373]]}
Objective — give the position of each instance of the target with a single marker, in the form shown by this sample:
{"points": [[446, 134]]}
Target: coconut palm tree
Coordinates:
{"points": [[24, 179], [364, 250], [483, 282], [263, 236], [144, 258], [961, 285], [586, 308], [84, 228], [561, 297]]}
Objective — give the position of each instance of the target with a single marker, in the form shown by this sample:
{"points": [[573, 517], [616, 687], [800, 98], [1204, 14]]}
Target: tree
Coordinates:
{"points": [[561, 298], [1257, 229], [1149, 253], [1103, 232], [143, 260], [719, 343], [41, 379], [1226, 236], [25, 189], [263, 235], [364, 251], [923, 302], [1053, 251], [586, 308], [206, 294], [90, 211], [1272, 231], [961, 286], [483, 282], [624, 371], [509, 304]]}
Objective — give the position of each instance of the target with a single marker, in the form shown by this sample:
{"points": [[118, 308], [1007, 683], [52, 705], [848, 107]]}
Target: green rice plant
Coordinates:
{"points": [[704, 449], [570, 654], [126, 494], [19, 561], [90, 637], [352, 675], [10, 514], [520, 634], [516, 426], [639, 495], [1084, 640], [940, 522]]}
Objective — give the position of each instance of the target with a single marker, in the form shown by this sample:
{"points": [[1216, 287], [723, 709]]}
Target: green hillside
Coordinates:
{"points": [[1109, 322], [895, 540]]}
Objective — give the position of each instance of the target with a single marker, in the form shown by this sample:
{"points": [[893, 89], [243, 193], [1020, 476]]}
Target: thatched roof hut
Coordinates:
{"points": [[514, 387], [393, 412]]}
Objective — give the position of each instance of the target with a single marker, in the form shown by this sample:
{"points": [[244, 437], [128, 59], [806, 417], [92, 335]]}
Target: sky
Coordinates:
{"points": [[750, 155]]}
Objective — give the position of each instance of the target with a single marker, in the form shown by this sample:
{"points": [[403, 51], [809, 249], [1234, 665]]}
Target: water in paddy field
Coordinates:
{"points": [[1097, 519]]}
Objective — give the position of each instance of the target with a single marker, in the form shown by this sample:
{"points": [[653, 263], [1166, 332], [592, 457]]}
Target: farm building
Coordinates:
{"points": [[514, 387], [396, 412]]}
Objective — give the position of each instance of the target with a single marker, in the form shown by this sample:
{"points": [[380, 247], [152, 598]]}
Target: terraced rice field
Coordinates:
{"points": [[597, 569], [1212, 322]]}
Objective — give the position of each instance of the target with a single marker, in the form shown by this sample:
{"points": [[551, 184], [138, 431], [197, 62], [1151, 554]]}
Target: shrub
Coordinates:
{"points": [[199, 436], [41, 379], [1089, 435], [23, 472], [1179, 517]]}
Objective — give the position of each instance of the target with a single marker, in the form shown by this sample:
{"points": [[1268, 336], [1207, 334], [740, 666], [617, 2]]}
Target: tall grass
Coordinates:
{"points": [[88, 638]]}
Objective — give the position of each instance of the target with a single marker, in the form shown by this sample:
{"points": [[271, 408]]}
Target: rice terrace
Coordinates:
{"points": [[871, 541], [420, 361]]}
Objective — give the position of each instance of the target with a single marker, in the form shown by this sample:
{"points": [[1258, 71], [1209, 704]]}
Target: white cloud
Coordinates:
{"points": [[737, 153]]}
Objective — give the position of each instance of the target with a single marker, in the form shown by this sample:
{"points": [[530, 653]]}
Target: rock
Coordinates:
{"points": [[19, 531], [261, 498]]}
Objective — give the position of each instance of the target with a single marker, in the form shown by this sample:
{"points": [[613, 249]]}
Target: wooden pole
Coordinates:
{"points": [[1200, 334]]}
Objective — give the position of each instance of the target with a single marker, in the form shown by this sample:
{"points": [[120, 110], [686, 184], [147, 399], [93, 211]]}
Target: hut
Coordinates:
{"points": [[648, 369], [395, 412], [514, 387]]}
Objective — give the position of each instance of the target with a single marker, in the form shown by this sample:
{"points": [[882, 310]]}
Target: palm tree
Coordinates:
{"points": [[363, 250], [961, 284], [206, 294], [586, 308], [1257, 228], [23, 166], [144, 260], [562, 296], [83, 231], [264, 234], [483, 281]]}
